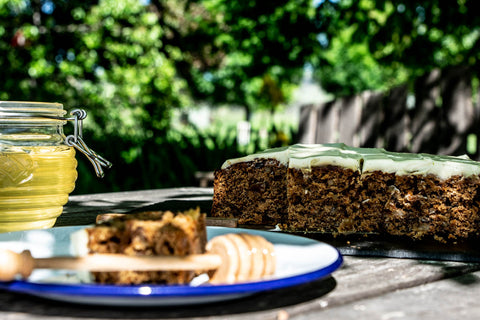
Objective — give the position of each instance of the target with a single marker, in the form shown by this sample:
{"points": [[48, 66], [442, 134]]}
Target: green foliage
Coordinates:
{"points": [[357, 70], [379, 44], [265, 51]]}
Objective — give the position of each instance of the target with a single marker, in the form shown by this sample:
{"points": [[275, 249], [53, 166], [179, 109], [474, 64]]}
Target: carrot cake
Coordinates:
{"points": [[148, 233], [338, 189]]}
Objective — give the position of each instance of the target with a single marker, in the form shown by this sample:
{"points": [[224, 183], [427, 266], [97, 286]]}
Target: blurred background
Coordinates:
{"points": [[174, 88]]}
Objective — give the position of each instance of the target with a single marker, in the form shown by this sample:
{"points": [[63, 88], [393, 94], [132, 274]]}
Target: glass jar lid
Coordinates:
{"points": [[19, 111], [47, 113]]}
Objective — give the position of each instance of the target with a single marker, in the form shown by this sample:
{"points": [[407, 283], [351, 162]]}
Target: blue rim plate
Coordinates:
{"points": [[299, 260]]}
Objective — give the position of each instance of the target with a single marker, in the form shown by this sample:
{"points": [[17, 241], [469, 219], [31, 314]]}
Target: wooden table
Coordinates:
{"points": [[363, 288]]}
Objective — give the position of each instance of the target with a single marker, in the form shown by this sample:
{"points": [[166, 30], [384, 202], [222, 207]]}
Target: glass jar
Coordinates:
{"points": [[37, 163]]}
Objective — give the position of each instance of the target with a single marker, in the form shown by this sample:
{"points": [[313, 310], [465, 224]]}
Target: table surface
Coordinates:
{"points": [[364, 287]]}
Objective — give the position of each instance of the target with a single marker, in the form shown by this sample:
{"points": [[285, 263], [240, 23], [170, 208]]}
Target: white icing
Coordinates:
{"points": [[366, 160], [323, 159], [280, 155]]}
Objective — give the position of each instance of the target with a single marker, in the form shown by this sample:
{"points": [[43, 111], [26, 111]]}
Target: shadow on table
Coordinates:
{"points": [[390, 246], [81, 213], [205, 205], [269, 300]]}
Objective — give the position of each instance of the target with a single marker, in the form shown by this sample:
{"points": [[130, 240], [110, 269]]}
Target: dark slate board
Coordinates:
{"points": [[374, 245]]}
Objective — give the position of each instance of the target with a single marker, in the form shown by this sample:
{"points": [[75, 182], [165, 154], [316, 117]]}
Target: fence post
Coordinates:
{"points": [[394, 127]]}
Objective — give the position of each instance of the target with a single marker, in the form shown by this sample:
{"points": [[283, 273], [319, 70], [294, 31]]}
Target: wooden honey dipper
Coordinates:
{"points": [[230, 258]]}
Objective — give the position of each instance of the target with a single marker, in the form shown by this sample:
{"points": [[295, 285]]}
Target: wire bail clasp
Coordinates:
{"points": [[77, 142]]}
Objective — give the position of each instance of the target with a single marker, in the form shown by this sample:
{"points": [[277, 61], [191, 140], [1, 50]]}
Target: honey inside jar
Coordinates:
{"points": [[37, 166], [35, 182]]}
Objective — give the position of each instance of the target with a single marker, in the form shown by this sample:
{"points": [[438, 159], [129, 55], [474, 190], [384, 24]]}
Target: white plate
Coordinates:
{"points": [[299, 260]]}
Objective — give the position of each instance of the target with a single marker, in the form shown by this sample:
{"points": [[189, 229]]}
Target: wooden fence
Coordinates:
{"points": [[438, 114]]}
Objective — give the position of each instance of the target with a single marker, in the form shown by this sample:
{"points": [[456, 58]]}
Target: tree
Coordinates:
{"points": [[399, 40], [258, 50], [120, 55]]}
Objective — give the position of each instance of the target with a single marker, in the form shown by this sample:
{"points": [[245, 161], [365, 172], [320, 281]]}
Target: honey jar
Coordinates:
{"points": [[37, 163]]}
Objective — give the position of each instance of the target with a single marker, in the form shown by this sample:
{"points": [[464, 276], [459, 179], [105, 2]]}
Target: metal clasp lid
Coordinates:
{"points": [[77, 142]]}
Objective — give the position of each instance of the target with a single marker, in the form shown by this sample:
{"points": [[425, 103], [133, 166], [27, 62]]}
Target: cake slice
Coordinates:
{"points": [[148, 233], [322, 183], [253, 189], [424, 195]]}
